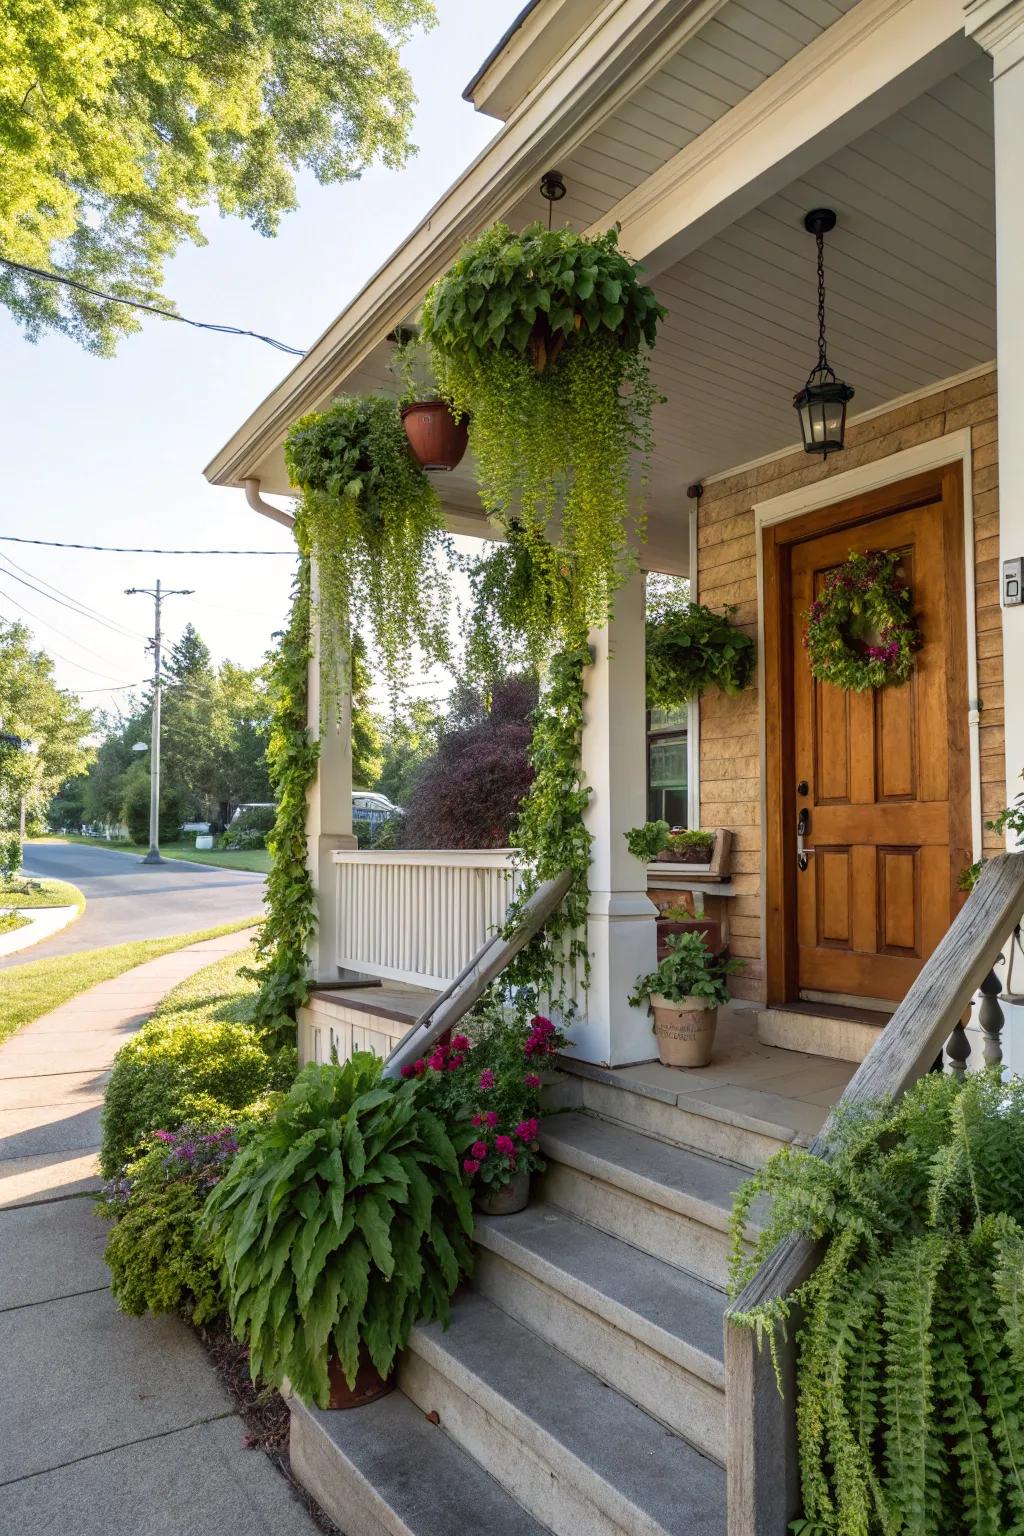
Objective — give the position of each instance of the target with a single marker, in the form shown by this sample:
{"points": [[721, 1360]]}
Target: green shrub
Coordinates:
{"points": [[10, 855], [159, 1258], [689, 969], [910, 1372], [341, 1223], [178, 1072]]}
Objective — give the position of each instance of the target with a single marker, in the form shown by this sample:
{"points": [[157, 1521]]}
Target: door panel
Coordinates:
{"points": [[887, 788]]}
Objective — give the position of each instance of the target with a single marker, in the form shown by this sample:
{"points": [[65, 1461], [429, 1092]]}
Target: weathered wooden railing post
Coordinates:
{"points": [[958, 1049]]}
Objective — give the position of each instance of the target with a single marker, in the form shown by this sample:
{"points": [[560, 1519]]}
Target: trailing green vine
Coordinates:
{"points": [[910, 1375], [373, 522], [550, 836], [541, 338], [690, 648], [292, 762]]}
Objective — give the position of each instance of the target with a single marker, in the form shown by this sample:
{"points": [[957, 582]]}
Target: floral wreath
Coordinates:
{"points": [[861, 633]]}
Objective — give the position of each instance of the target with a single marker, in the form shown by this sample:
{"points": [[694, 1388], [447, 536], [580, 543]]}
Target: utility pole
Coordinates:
{"points": [[158, 596]]}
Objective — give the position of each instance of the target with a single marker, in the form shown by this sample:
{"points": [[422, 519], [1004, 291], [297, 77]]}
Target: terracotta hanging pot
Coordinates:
{"points": [[437, 440], [369, 1383]]}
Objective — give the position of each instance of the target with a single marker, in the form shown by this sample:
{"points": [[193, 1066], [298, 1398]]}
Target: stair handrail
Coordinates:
{"points": [[473, 980], [761, 1451]]}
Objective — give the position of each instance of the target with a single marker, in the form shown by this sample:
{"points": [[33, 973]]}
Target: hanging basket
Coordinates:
{"points": [[861, 632], [437, 440]]}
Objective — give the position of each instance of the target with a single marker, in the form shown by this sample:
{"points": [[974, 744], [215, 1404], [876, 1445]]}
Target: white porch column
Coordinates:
{"points": [[329, 802], [620, 927], [998, 25]]}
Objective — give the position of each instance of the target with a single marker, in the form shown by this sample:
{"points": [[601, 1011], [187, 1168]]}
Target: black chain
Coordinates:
{"points": [[822, 357]]}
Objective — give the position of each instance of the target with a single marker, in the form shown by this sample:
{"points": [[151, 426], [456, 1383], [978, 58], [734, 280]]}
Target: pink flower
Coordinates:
{"points": [[492, 1118], [531, 1080], [526, 1130], [486, 1078], [470, 1165], [407, 1070], [419, 1067], [436, 1062], [478, 1119], [460, 1043], [453, 1065], [479, 1149], [505, 1145]]}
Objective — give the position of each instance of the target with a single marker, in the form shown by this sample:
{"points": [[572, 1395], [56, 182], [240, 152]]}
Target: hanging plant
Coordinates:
{"points": [[523, 606], [373, 522], [690, 648], [437, 438], [861, 632], [541, 338]]}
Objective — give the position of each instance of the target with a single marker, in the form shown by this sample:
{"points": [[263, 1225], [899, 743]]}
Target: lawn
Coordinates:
{"points": [[10, 922], [27, 991], [257, 860], [215, 993], [27, 891]]}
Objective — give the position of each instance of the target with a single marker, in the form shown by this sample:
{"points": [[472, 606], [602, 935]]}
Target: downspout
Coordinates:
{"points": [[256, 501]]}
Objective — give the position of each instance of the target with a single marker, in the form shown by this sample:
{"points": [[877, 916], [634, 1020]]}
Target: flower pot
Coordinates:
{"points": [[437, 440], [369, 1384], [507, 1199], [685, 1031]]}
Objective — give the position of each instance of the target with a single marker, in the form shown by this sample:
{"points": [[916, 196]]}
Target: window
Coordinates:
{"points": [[667, 779]]}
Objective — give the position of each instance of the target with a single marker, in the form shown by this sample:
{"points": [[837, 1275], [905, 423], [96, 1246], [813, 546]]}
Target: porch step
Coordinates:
{"points": [[824, 1029], [648, 1329], [670, 1202], [575, 1453], [385, 1470]]}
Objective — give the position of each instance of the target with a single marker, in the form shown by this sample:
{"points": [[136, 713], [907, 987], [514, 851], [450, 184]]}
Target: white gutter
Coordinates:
{"points": [[256, 501]]}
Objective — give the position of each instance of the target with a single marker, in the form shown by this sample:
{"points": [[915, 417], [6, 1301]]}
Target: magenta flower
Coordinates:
{"points": [[460, 1043], [492, 1118], [531, 1080], [526, 1130], [419, 1067], [479, 1149], [486, 1078], [436, 1062], [407, 1070], [478, 1119], [471, 1165], [505, 1145]]}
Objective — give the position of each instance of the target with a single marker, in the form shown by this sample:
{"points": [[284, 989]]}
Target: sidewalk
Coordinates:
{"points": [[109, 1425]]}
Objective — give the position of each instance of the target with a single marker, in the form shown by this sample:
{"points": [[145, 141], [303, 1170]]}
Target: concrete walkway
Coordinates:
{"points": [[109, 1425]]}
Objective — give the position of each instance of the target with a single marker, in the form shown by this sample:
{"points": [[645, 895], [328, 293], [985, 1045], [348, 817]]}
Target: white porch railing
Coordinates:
{"points": [[419, 915]]}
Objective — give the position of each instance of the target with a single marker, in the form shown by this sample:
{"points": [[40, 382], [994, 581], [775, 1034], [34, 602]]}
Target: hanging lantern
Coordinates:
{"points": [[821, 404]]}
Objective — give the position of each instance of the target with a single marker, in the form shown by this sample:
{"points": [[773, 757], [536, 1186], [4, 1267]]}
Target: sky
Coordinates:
{"points": [[111, 451]]}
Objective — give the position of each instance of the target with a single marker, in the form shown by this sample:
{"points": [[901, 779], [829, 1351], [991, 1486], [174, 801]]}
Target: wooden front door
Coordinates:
{"points": [[882, 777]]}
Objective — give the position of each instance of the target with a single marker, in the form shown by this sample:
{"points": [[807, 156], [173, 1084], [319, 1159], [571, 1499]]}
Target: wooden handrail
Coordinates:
{"points": [[474, 979], [760, 1426]]}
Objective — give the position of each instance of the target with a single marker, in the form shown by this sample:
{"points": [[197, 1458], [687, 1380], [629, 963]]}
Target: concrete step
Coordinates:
{"points": [[657, 1196], [578, 1455], [651, 1331], [823, 1029], [735, 1122], [384, 1470]]}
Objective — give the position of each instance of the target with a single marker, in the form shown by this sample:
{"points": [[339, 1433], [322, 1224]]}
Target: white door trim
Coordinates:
{"points": [[952, 448]]}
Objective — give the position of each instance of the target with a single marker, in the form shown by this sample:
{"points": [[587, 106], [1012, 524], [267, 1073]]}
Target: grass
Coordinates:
{"points": [[27, 891], [30, 990], [215, 993], [256, 860], [10, 922]]}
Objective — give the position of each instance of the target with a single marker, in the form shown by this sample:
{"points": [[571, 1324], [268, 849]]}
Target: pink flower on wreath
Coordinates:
{"points": [[526, 1130], [492, 1118], [470, 1165], [479, 1149], [486, 1079], [505, 1145], [531, 1080]]}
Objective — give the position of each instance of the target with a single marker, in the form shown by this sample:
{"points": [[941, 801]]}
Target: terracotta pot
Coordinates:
{"points": [[437, 440], [685, 1031], [509, 1198], [369, 1385]]}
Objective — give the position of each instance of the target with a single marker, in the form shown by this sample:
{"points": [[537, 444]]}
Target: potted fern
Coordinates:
{"points": [[684, 995], [341, 1223]]}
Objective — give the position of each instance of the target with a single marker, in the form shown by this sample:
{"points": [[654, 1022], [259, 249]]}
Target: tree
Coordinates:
{"points": [[119, 123], [245, 700], [468, 794], [367, 741], [410, 740], [35, 710]]}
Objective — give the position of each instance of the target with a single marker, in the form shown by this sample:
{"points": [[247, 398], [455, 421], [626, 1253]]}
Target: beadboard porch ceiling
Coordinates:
{"points": [[910, 268]]}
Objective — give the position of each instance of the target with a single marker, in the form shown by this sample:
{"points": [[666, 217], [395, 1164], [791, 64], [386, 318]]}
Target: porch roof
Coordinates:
{"points": [[911, 265]]}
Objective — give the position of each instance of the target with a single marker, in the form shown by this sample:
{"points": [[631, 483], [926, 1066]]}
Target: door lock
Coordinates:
{"points": [[803, 826]]}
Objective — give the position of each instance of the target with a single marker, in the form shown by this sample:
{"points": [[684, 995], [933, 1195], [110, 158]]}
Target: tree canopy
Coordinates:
{"points": [[121, 119], [51, 722]]}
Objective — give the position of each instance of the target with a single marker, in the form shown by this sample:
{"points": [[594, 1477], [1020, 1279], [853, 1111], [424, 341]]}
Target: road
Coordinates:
{"points": [[128, 900]]}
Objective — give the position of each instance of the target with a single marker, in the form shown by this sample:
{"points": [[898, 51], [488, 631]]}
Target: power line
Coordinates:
{"points": [[153, 309], [62, 633], [84, 610], [76, 608], [56, 654], [120, 549]]}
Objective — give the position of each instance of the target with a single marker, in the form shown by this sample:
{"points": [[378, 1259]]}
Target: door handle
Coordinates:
{"points": [[803, 826]]}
